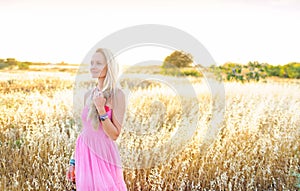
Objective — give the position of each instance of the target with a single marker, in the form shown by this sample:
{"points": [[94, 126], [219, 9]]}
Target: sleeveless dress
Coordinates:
{"points": [[98, 166]]}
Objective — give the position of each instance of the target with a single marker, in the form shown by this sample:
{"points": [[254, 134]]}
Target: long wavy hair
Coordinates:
{"points": [[110, 85]]}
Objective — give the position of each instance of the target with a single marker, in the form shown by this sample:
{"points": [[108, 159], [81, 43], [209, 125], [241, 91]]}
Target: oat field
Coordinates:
{"points": [[257, 147]]}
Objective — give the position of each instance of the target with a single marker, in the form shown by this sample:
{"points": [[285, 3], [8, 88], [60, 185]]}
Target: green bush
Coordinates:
{"points": [[272, 70], [192, 72], [293, 70], [23, 66], [171, 71], [3, 65]]}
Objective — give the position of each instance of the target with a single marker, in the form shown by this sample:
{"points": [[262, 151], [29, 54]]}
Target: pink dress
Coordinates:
{"points": [[98, 166]]}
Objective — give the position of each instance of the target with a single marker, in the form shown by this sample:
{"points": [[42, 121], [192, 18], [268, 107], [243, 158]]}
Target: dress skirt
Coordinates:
{"points": [[98, 166]]}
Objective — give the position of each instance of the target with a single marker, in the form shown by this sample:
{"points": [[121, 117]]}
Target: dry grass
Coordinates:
{"points": [[257, 149]]}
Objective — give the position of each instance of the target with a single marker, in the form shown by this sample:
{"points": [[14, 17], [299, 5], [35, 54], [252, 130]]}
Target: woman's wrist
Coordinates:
{"points": [[101, 111], [103, 117]]}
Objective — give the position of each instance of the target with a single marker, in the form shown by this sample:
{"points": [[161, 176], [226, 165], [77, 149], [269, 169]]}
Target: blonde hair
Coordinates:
{"points": [[110, 85]]}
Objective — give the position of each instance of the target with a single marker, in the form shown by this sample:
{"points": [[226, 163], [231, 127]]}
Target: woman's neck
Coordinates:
{"points": [[100, 83]]}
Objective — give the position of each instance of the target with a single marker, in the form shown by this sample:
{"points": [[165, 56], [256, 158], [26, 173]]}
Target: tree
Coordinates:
{"points": [[11, 61], [178, 59], [293, 70], [256, 71], [272, 70]]}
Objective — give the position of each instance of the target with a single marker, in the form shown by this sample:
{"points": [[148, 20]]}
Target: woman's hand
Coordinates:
{"points": [[99, 101], [71, 173]]}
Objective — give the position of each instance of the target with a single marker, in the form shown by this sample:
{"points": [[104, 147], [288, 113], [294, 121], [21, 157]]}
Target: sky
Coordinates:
{"points": [[232, 31]]}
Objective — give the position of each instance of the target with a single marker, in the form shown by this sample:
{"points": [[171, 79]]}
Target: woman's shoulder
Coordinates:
{"points": [[119, 90], [119, 97], [119, 93]]}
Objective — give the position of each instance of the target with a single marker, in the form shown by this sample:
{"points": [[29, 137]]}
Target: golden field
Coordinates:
{"points": [[257, 148]]}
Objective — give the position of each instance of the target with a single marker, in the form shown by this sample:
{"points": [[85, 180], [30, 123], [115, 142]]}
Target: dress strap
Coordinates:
{"points": [[106, 108]]}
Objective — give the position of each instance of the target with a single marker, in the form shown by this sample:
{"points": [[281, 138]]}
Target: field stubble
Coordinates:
{"points": [[257, 148]]}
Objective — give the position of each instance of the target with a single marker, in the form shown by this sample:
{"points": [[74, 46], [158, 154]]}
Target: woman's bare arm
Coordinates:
{"points": [[113, 127]]}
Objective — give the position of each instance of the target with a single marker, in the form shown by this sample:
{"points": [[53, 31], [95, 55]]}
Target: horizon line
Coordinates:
{"points": [[69, 63]]}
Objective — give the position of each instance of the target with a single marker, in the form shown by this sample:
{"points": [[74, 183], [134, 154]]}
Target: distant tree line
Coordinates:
{"points": [[12, 63], [179, 63], [256, 71]]}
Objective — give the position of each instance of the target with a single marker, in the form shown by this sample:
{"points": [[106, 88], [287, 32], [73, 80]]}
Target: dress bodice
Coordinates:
{"points": [[98, 141], [87, 123]]}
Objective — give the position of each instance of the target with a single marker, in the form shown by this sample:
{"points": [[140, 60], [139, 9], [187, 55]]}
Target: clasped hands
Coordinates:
{"points": [[99, 101]]}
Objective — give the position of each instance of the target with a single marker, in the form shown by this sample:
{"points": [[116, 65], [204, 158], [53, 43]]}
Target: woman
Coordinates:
{"points": [[97, 165]]}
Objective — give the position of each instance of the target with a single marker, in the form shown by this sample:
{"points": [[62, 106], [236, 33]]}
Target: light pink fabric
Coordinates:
{"points": [[98, 166]]}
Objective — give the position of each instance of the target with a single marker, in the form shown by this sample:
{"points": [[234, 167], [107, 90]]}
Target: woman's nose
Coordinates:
{"points": [[93, 66]]}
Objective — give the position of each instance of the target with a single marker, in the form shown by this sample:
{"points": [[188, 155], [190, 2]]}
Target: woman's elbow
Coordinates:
{"points": [[115, 136]]}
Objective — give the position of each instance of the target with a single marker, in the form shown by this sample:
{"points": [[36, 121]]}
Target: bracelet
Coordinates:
{"points": [[103, 117], [72, 162]]}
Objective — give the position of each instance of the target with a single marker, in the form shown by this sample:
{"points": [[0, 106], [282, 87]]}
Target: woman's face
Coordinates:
{"points": [[98, 65]]}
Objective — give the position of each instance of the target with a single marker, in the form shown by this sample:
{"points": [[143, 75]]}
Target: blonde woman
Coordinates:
{"points": [[96, 165]]}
